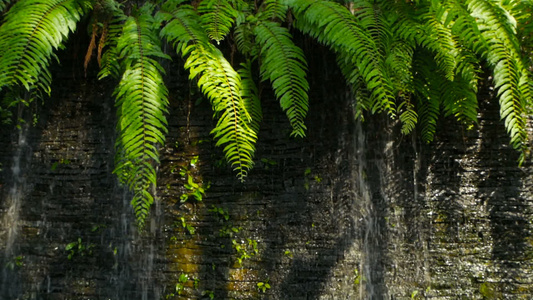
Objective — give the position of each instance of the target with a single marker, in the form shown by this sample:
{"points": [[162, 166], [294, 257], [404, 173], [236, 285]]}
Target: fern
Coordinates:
{"points": [[271, 10], [284, 64], [4, 4], [332, 24], [142, 102], [250, 96], [217, 17], [427, 91], [219, 82], [498, 28], [109, 65], [32, 30]]}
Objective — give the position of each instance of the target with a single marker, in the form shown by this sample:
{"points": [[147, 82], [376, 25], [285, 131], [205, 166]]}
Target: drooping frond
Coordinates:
{"points": [[217, 17], [427, 84], [334, 25], [438, 38], [142, 103], [4, 4], [459, 97], [219, 82], [408, 116], [245, 39], [511, 77], [31, 31], [109, 65], [283, 63], [272, 10], [250, 95]]}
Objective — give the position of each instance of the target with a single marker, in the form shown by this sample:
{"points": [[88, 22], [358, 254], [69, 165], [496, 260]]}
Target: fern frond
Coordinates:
{"points": [[219, 82], [245, 39], [4, 4], [217, 17], [333, 25], [272, 10], [440, 40], [109, 65], [459, 97], [250, 95], [283, 63], [32, 30], [498, 27], [142, 104], [408, 116], [427, 84]]}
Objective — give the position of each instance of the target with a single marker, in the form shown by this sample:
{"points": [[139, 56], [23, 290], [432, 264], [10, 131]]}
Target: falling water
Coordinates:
{"points": [[13, 202], [370, 257], [134, 256]]}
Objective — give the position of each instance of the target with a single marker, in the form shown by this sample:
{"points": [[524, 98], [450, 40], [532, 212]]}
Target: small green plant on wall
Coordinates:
{"points": [[194, 189], [263, 286], [15, 262], [190, 229], [78, 248]]}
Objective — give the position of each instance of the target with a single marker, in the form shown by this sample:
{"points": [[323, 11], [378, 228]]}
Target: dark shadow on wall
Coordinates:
{"points": [[507, 200]]}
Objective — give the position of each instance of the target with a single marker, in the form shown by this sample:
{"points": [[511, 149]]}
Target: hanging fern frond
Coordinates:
{"points": [[408, 116], [427, 83], [109, 65], [245, 39], [219, 82], [217, 17], [272, 10], [459, 97], [4, 4], [31, 31], [498, 27], [439, 39], [142, 103], [250, 95], [283, 63], [333, 25]]}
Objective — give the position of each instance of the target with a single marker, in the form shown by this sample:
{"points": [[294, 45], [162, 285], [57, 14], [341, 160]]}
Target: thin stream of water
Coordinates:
{"points": [[13, 203], [369, 222]]}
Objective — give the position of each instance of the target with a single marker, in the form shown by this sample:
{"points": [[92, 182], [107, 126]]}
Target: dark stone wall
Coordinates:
{"points": [[352, 211]]}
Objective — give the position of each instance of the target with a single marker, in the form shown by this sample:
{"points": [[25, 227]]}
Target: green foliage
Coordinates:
{"points": [[217, 17], [219, 82], [141, 107], [283, 63], [415, 60], [32, 31], [263, 286], [78, 248]]}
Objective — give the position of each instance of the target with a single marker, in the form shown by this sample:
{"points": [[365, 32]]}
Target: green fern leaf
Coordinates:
{"points": [[110, 64], [142, 104], [31, 31], [427, 91], [498, 27], [335, 26], [245, 39], [250, 96], [272, 10], [4, 4], [219, 82], [408, 117], [217, 17], [284, 64]]}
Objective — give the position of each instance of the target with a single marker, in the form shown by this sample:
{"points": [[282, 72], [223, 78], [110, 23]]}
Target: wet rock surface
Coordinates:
{"points": [[352, 211]]}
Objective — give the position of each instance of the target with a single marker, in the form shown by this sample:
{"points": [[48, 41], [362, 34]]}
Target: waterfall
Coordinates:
{"points": [[368, 221], [10, 220], [135, 255]]}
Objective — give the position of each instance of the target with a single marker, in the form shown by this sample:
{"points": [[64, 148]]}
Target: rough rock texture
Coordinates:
{"points": [[353, 211]]}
